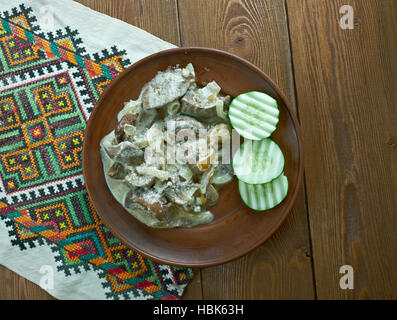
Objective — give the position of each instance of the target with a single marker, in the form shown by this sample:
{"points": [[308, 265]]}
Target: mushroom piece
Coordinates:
{"points": [[129, 199], [125, 152], [134, 180], [145, 120], [205, 179], [172, 196], [211, 195], [182, 196], [129, 154], [167, 86], [179, 126], [151, 171], [207, 161], [131, 107], [112, 150], [185, 173], [223, 174], [158, 206], [184, 122], [203, 102], [127, 119], [117, 171]]}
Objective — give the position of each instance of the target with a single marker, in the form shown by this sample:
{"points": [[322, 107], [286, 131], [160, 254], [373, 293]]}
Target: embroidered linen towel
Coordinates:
{"points": [[56, 58]]}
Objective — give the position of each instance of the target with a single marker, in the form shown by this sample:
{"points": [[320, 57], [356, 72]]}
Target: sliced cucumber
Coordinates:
{"points": [[254, 115], [258, 162], [262, 197]]}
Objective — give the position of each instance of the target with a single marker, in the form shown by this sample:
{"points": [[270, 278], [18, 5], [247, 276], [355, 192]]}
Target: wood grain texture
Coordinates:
{"points": [[257, 31], [194, 290], [14, 287], [346, 89], [254, 30], [160, 18], [346, 85]]}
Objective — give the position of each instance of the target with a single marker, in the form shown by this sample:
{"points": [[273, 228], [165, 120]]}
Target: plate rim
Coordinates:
{"points": [[291, 111]]}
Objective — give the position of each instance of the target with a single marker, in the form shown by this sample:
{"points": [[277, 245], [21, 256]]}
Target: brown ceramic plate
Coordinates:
{"points": [[236, 229]]}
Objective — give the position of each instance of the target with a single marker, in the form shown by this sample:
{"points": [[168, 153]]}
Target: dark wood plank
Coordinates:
{"points": [[193, 291], [257, 31], [13, 286], [160, 18], [346, 85]]}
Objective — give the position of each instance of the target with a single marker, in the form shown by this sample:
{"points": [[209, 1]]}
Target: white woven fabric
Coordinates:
{"points": [[97, 32]]}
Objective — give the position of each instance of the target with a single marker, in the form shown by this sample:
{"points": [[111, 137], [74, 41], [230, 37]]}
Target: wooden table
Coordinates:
{"points": [[343, 85]]}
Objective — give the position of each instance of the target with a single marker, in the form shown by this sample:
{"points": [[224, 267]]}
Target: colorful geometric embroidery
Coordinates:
{"points": [[48, 88], [43, 131], [54, 49], [87, 247]]}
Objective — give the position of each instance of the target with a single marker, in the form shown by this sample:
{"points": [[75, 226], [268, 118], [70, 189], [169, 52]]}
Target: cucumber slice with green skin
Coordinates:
{"points": [[258, 162], [261, 197], [254, 115]]}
